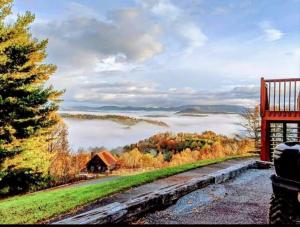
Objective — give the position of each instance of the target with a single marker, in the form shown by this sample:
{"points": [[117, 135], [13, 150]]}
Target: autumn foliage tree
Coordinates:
{"points": [[252, 124], [27, 106]]}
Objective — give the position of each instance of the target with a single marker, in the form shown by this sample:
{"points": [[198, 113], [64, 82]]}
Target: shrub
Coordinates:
{"points": [[148, 160], [186, 156], [132, 159], [167, 156], [65, 166], [135, 159], [160, 161]]}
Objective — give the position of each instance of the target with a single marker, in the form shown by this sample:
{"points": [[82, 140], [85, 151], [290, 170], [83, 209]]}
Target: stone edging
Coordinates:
{"points": [[118, 212]]}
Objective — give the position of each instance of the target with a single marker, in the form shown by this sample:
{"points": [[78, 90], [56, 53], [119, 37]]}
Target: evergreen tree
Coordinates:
{"points": [[27, 106]]}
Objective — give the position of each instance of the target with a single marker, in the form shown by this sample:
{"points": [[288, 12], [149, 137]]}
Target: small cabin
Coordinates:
{"points": [[101, 162]]}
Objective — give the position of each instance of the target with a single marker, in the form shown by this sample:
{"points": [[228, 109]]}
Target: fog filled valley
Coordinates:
{"points": [[88, 133]]}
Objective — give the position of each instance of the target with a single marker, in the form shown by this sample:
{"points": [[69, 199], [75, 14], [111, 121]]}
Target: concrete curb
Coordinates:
{"points": [[231, 172], [117, 212]]}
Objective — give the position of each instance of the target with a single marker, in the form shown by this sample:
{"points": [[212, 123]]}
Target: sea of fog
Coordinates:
{"points": [[96, 133]]}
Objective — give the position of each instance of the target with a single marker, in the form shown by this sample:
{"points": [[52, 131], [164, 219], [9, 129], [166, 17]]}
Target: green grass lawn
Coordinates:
{"points": [[35, 207]]}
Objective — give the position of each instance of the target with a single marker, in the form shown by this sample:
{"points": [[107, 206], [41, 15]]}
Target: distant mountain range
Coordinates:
{"points": [[179, 109]]}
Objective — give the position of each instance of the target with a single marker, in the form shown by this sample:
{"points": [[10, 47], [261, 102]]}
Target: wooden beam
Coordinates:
{"points": [[262, 97], [298, 132], [283, 80], [265, 141], [284, 132]]}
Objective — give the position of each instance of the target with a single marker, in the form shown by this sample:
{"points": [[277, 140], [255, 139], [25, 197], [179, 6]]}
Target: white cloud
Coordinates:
{"points": [[270, 33], [75, 9], [137, 93], [273, 34], [114, 63], [87, 44], [192, 33], [164, 53], [178, 24], [166, 9]]}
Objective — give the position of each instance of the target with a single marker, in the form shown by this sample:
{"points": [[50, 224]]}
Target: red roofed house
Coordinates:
{"points": [[101, 162]]}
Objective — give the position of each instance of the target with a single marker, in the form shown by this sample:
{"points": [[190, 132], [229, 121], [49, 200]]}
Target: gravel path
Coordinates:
{"points": [[243, 200]]}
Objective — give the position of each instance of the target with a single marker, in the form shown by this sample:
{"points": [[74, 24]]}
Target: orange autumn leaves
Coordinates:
{"points": [[194, 147]]}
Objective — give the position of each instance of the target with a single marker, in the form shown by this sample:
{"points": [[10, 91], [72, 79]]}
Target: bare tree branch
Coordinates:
{"points": [[252, 124]]}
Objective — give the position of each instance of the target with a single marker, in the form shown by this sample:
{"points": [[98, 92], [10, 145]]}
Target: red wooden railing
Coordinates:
{"points": [[279, 106], [280, 95]]}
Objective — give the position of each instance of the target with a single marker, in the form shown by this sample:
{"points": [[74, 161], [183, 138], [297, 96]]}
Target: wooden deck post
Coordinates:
{"points": [[284, 132], [265, 149], [265, 141], [298, 134]]}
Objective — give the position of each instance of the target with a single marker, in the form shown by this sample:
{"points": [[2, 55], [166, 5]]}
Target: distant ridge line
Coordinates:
{"points": [[183, 108]]}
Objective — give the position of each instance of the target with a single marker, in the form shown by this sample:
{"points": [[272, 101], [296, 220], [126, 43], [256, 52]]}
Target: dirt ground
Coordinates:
{"points": [[243, 200]]}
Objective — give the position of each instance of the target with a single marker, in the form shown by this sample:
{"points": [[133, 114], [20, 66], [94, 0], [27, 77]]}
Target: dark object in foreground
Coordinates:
{"points": [[285, 201]]}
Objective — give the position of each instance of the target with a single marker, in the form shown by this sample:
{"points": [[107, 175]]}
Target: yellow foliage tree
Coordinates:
{"points": [[132, 159]]}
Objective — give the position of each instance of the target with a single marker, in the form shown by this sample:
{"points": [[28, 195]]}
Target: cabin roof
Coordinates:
{"points": [[107, 158]]}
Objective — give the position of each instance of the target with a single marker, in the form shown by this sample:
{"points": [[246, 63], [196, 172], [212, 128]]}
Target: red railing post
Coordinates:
{"points": [[298, 102], [264, 124], [265, 140], [262, 97]]}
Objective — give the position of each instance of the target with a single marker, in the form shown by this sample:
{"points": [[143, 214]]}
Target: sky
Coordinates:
{"points": [[166, 52]]}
